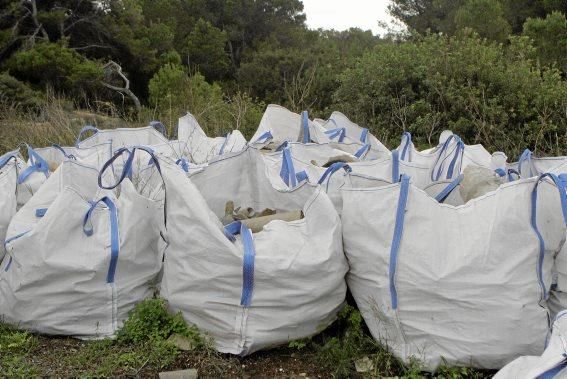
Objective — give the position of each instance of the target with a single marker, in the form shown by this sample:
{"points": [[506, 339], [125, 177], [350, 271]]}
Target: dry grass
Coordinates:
{"points": [[56, 121]]}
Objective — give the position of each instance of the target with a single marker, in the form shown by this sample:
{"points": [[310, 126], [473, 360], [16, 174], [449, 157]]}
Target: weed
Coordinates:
{"points": [[15, 347], [150, 321], [299, 344], [350, 343]]}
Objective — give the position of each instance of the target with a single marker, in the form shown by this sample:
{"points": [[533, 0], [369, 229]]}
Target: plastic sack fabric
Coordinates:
{"points": [[81, 258], [278, 124], [200, 148], [528, 166], [471, 154], [31, 174], [551, 364], [323, 152], [95, 155], [8, 189], [558, 295], [123, 137], [251, 291], [388, 170], [350, 132], [463, 285]]}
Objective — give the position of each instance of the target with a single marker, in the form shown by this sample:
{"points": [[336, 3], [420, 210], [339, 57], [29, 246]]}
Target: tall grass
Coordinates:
{"points": [[56, 120]]}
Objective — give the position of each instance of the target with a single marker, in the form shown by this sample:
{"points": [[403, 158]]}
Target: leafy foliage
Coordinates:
{"points": [[482, 91], [55, 65], [473, 14], [206, 50], [495, 76], [19, 93], [550, 38], [150, 322], [15, 347]]}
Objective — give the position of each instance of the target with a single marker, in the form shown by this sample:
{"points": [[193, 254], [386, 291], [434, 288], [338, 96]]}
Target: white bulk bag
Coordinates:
{"points": [[347, 131], [322, 152], [8, 191], [462, 285], [448, 142], [123, 137], [256, 291], [551, 364], [82, 258], [32, 174], [528, 165], [387, 169], [200, 148], [558, 295], [95, 155], [279, 124]]}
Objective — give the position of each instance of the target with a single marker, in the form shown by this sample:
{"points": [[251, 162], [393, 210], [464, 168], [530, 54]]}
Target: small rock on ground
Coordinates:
{"points": [[182, 343], [181, 374]]}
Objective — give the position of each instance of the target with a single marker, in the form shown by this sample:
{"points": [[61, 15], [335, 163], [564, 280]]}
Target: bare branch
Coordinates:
{"points": [[112, 68], [91, 47], [36, 21]]}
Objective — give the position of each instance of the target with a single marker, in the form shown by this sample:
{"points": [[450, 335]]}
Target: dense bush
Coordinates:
{"points": [[51, 64], [483, 91], [18, 94], [494, 72], [173, 93]]}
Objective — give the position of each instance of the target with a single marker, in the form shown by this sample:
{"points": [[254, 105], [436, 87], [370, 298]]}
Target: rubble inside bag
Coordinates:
{"points": [[344, 158], [478, 181], [271, 146], [256, 220]]}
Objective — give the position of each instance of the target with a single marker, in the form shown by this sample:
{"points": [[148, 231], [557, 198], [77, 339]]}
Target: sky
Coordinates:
{"points": [[343, 14]]}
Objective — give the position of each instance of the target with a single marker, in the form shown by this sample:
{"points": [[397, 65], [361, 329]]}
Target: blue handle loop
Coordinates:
{"points": [[40, 212], [333, 121], [511, 172], [525, 157], [37, 164], [114, 235], [395, 166], [457, 156], [500, 171], [183, 163], [68, 156], [338, 132], [230, 230], [160, 127], [127, 170], [226, 137], [362, 151], [397, 239], [85, 129], [305, 127], [4, 159], [331, 170], [282, 146], [287, 172], [458, 152], [247, 266], [8, 240], [405, 143], [301, 176], [561, 183], [441, 196], [265, 137], [364, 135]]}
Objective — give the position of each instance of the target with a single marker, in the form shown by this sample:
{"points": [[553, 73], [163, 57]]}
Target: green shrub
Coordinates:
{"points": [[481, 90], [54, 65], [18, 94], [150, 321]]}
